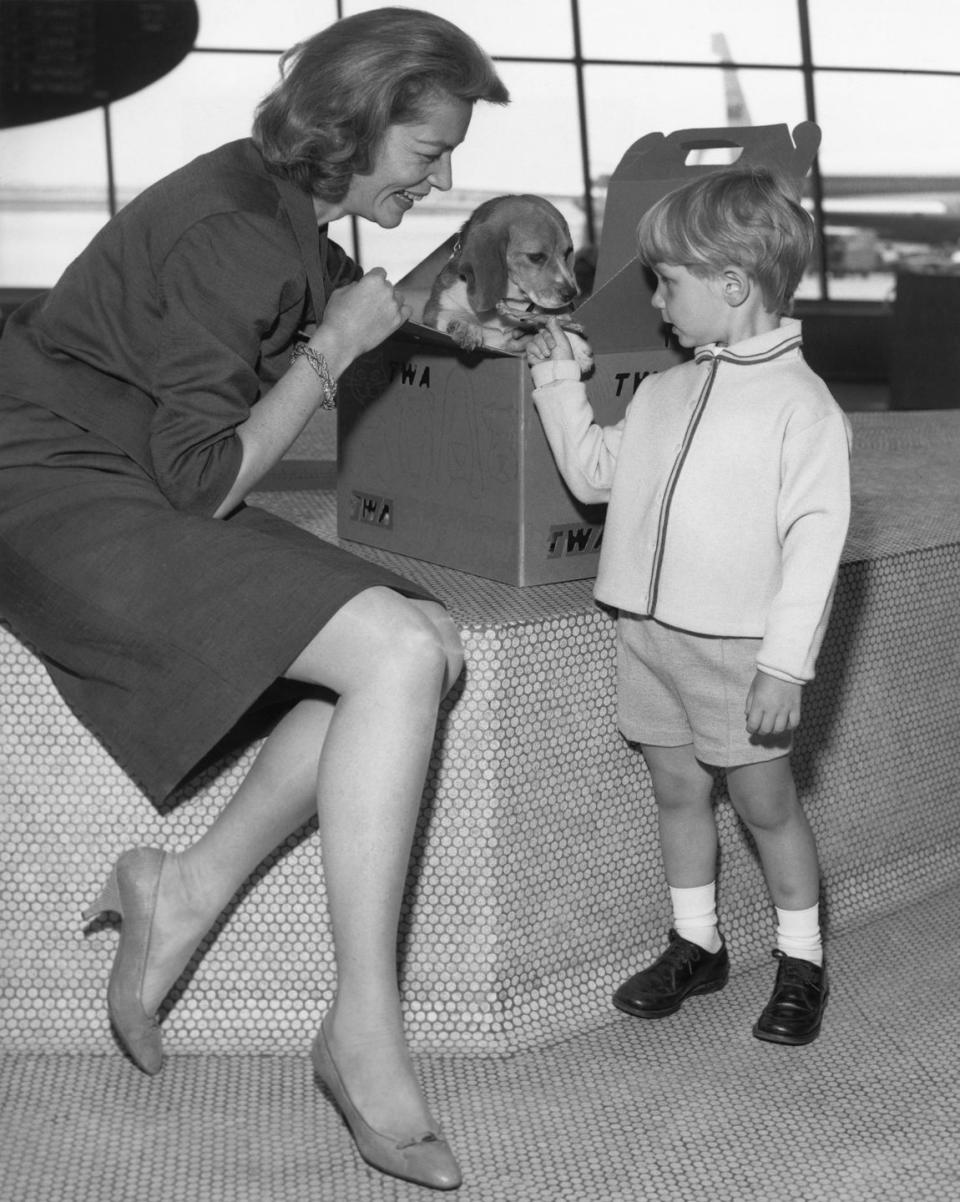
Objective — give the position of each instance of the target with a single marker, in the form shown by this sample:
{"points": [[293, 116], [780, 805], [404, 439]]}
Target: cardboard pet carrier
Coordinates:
{"points": [[441, 453]]}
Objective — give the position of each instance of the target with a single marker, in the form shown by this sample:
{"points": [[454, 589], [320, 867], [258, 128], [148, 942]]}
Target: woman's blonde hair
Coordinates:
{"points": [[343, 88], [747, 217]]}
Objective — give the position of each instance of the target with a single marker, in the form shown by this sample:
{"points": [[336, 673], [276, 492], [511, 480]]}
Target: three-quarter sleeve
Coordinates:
{"points": [[222, 290]]}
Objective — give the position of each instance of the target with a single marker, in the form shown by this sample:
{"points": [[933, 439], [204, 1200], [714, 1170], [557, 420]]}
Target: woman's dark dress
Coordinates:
{"points": [[120, 393]]}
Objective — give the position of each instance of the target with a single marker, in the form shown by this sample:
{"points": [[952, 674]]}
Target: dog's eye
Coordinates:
{"points": [[538, 258]]}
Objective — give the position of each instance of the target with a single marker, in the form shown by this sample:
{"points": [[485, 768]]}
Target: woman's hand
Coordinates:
{"points": [[359, 317], [550, 343]]}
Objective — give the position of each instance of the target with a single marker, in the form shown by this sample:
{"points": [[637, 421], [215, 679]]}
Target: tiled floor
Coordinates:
{"points": [[689, 1108]]}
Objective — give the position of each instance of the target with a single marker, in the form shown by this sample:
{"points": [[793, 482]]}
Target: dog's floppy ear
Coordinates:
{"points": [[483, 263]]}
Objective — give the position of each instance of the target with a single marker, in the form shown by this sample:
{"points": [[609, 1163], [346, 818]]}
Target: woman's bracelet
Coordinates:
{"points": [[322, 368]]}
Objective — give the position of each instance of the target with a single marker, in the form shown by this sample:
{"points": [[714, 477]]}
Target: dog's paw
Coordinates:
{"points": [[520, 316], [465, 334], [514, 310]]}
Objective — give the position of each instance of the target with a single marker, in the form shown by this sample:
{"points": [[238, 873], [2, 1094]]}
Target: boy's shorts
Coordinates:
{"points": [[675, 688]]}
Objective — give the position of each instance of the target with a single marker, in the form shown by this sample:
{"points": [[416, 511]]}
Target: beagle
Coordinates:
{"points": [[511, 268]]}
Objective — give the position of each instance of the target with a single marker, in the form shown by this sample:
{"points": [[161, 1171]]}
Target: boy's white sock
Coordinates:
{"points": [[695, 915], [798, 933]]}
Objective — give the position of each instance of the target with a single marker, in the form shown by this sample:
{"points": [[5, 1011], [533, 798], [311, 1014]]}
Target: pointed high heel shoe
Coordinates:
{"points": [[426, 1160], [131, 891]]}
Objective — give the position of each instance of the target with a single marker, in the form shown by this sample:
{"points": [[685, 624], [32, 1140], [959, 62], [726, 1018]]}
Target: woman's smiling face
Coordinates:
{"points": [[410, 161]]}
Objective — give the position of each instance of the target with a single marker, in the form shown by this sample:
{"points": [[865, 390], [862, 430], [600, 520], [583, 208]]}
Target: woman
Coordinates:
{"points": [[142, 399]]}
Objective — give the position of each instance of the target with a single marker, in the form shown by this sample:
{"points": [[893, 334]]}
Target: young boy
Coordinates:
{"points": [[729, 498]]}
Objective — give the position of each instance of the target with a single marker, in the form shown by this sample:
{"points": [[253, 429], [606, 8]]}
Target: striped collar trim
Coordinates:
{"points": [[761, 349]]}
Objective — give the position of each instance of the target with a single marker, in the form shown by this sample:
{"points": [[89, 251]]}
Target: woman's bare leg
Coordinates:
{"points": [[362, 763], [370, 784], [278, 795]]}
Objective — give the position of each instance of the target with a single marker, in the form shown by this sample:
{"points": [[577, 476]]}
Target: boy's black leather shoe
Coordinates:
{"points": [[683, 969], [795, 1010]]}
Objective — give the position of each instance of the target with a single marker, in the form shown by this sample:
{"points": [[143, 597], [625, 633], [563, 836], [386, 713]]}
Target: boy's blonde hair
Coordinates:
{"points": [[746, 217]]}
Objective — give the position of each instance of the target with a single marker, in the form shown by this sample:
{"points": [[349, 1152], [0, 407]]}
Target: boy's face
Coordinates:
{"points": [[695, 306]]}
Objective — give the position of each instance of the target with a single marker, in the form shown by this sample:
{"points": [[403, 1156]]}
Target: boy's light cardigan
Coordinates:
{"points": [[728, 484]]}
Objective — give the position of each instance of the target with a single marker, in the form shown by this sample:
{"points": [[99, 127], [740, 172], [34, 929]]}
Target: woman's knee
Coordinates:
{"points": [[381, 637], [449, 638], [424, 644]]}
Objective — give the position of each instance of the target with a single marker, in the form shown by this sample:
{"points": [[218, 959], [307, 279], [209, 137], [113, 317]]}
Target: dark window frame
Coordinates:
{"points": [[806, 67]]}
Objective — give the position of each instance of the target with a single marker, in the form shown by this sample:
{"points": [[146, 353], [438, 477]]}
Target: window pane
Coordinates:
{"points": [[663, 99], [529, 146], [899, 125], [206, 101], [523, 28], [921, 35], [53, 196], [236, 24], [892, 181], [760, 31], [538, 28]]}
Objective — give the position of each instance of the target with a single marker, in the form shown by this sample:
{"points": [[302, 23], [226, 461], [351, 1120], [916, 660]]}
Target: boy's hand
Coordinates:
{"points": [[773, 705], [550, 343]]}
